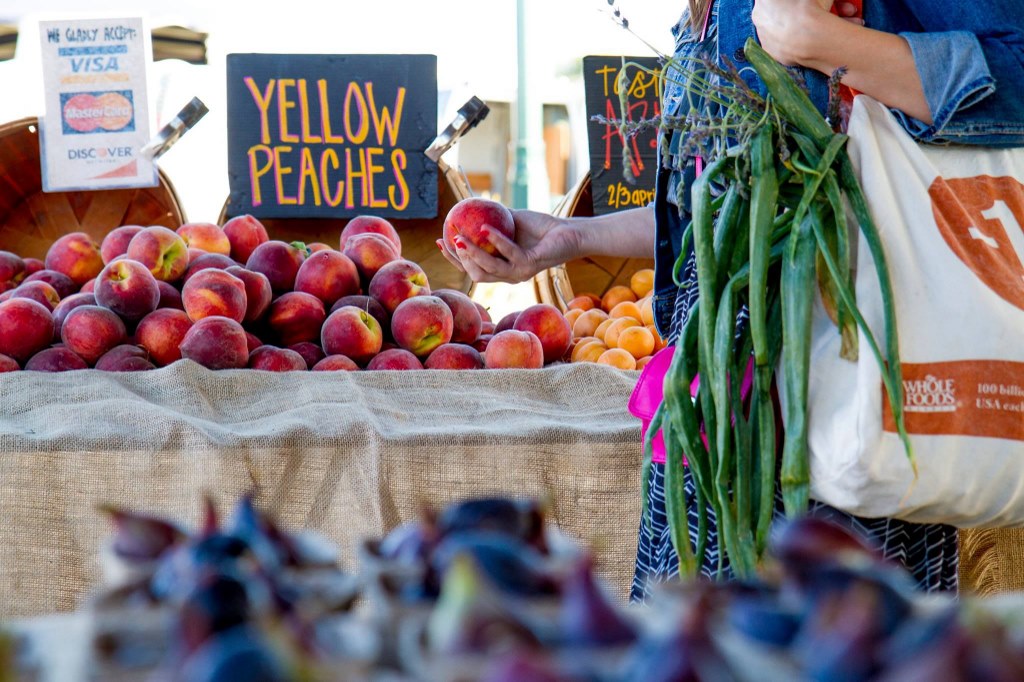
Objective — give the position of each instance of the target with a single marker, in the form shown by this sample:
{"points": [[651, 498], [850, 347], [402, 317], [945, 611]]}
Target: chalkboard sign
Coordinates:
{"points": [[611, 188], [331, 136]]}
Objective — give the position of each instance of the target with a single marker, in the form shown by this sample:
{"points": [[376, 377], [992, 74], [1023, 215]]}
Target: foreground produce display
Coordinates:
{"points": [[229, 297], [487, 589]]}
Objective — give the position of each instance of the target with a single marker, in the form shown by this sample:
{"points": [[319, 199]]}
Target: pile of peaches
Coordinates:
{"points": [[229, 297], [617, 328]]}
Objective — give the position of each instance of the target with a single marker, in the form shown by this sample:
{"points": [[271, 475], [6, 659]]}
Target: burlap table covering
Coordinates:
{"points": [[348, 454]]}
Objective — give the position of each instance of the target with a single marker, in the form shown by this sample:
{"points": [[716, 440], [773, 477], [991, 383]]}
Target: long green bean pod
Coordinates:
{"points": [[797, 306], [763, 194], [844, 315]]}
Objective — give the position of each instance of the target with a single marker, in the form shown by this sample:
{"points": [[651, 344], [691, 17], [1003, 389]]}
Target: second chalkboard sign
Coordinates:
{"points": [[610, 150], [331, 136]]}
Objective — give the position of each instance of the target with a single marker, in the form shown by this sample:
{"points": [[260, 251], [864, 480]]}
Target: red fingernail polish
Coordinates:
{"points": [[439, 246], [485, 233], [459, 244]]}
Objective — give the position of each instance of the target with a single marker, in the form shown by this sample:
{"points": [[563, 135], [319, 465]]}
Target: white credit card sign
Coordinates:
{"points": [[97, 115]]}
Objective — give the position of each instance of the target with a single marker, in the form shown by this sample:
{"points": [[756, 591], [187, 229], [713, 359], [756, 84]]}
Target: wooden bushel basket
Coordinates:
{"points": [[560, 284], [419, 235], [31, 220]]}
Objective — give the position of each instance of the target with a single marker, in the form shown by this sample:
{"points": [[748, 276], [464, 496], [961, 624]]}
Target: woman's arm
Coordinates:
{"points": [[803, 33], [543, 241]]}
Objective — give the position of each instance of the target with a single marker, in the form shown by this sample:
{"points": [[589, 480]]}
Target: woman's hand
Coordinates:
{"points": [[785, 28], [542, 241]]}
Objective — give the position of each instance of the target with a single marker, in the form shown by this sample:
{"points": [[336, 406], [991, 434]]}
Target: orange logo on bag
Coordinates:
{"points": [[982, 221]]}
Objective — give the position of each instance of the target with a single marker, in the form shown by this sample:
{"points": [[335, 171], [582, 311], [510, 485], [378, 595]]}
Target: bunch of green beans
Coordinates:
{"points": [[774, 237]]}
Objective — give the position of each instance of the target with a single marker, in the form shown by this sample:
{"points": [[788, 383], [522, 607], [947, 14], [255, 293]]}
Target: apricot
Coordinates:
{"points": [[637, 341], [611, 336], [616, 295], [642, 282], [587, 323], [616, 357]]}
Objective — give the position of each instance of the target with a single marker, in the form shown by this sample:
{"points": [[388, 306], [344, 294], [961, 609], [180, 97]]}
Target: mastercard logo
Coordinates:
{"points": [[982, 221], [106, 112]]}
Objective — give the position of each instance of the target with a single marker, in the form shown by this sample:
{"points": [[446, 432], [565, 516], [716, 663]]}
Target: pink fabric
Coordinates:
{"points": [[650, 391]]}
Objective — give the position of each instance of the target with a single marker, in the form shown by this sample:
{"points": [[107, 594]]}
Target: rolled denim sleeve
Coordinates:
{"points": [[957, 76]]}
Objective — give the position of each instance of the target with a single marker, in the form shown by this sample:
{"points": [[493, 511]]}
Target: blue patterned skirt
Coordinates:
{"points": [[928, 551]]}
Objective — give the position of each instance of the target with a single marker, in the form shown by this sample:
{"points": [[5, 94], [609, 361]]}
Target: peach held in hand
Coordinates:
{"points": [[471, 218], [128, 288], [421, 324], [352, 332], [514, 349], [162, 251], [216, 343], [91, 331], [75, 255], [161, 333]]}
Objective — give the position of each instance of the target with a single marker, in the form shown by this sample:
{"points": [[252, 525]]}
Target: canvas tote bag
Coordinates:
{"points": [[952, 225]]}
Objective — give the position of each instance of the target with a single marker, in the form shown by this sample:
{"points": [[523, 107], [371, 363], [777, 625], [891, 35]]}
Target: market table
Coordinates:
{"points": [[349, 454]]}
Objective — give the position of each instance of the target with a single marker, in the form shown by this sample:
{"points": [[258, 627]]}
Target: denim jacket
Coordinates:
{"points": [[969, 55]]}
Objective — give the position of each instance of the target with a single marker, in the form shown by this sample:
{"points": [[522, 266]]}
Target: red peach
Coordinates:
{"points": [[296, 317], [454, 356], [40, 292], [352, 332], [161, 333], [370, 305], [395, 358], [116, 242], [206, 237], [512, 349], [370, 252], [310, 352], [169, 296], [472, 217], [26, 327], [507, 322], [368, 224], [421, 324], [8, 364], [328, 275], [216, 343], [58, 280], [279, 261], [481, 342], [162, 251], [66, 306], [550, 326], [11, 266], [55, 360], [258, 293], [91, 331], [207, 261], [88, 287], [128, 288], [317, 247], [214, 293], [485, 315], [465, 316], [193, 254], [244, 233], [77, 256], [398, 281], [273, 359], [34, 265], [125, 358], [334, 363], [252, 342], [487, 328]]}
